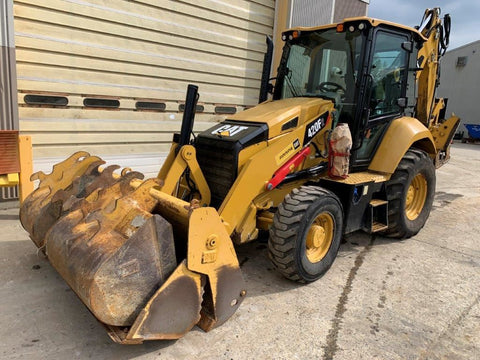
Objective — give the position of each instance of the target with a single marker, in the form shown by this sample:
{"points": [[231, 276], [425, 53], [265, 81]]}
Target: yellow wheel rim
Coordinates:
{"points": [[416, 196], [319, 237]]}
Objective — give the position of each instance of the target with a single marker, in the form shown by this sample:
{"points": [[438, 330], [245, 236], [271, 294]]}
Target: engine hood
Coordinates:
{"points": [[284, 115]]}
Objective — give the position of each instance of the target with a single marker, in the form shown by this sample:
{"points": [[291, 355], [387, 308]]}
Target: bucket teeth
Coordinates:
{"points": [[38, 212], [86, 183], [70, 181], [104, 189], [103, 197]]}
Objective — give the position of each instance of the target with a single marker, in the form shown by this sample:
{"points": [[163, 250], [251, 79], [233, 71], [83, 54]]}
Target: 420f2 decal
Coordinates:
{"points": [[314, 127]]}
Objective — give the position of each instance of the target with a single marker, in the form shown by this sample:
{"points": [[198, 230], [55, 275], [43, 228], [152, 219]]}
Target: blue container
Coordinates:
{"points": [[473, 131]]}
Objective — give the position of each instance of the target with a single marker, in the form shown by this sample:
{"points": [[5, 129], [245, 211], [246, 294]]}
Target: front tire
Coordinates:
{"points": [[306, 233], [410, 193]]}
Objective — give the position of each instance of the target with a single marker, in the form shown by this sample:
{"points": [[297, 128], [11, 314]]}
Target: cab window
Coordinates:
{"points": [[388, 71]]}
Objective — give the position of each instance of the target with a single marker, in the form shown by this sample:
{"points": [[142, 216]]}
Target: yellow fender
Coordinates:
{"points": [[401, 135]]}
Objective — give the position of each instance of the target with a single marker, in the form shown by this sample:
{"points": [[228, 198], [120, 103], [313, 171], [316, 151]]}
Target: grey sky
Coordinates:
{"points": [[464, 14]]}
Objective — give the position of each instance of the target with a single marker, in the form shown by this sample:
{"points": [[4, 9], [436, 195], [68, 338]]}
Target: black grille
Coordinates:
{"points": [[218, 161], [217, 153]]}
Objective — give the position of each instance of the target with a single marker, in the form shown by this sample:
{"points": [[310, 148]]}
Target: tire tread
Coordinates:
{"points": [[284, 231]]}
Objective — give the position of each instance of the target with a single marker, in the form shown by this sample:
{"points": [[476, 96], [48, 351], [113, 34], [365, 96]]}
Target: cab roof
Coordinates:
{"points": [[372, 21]]}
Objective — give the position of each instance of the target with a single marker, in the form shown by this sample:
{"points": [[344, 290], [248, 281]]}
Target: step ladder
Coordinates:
{"points": [[378, 215]]}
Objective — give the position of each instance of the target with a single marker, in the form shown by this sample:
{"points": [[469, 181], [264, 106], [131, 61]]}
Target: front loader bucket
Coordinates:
{"points": [[114, 259], [111, 237]]}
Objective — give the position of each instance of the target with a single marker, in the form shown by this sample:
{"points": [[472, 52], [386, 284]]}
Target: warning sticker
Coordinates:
{"points": [[287, 152]]}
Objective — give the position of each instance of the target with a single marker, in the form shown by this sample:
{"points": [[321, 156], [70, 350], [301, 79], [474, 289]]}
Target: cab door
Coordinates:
{"points": [[385, 84]]}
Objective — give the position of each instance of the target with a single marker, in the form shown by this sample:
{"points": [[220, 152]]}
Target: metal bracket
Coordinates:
{"points": [[226, 288], [186, 158]]}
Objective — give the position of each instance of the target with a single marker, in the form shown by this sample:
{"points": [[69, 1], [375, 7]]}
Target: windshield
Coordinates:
{"points": [[321, 63]]}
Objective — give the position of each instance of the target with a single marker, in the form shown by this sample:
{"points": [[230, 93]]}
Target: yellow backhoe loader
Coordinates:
{"points": [[153, 258]]}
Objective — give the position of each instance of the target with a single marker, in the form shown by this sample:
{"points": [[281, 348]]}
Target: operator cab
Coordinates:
{"points": [[362, 65]]}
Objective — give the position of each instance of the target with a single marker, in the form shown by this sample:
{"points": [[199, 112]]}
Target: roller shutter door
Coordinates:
{"points": [[109, 77]]}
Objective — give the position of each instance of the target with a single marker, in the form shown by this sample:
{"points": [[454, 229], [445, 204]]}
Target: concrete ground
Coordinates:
{"points": [[385, 299]]}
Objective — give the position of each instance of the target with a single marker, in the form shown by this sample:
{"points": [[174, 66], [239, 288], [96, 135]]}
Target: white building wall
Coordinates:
{"points": [[461, 84]]}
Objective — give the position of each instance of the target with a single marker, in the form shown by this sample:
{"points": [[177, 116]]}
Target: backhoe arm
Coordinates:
{"points": [[437, 33]]}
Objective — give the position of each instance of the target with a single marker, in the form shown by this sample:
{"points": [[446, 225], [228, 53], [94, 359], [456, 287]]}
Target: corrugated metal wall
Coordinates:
{"points": [[8, 81], [311, 12], [8, 99], [109, 76], [349, 8], [321, 12]]}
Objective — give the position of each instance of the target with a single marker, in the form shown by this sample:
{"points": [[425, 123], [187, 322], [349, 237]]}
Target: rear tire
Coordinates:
{"points": [[410, 193], [306, 233]]}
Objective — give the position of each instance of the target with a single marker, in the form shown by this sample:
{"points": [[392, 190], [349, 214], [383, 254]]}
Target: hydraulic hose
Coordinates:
{"points": [[444, 34]]}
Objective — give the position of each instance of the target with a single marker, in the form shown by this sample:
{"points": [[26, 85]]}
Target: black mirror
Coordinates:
{"points": [[408, 46]]}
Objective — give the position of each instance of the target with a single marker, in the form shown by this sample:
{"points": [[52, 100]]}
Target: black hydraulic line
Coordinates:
{"points": [[313, 171], [445, 34]]}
